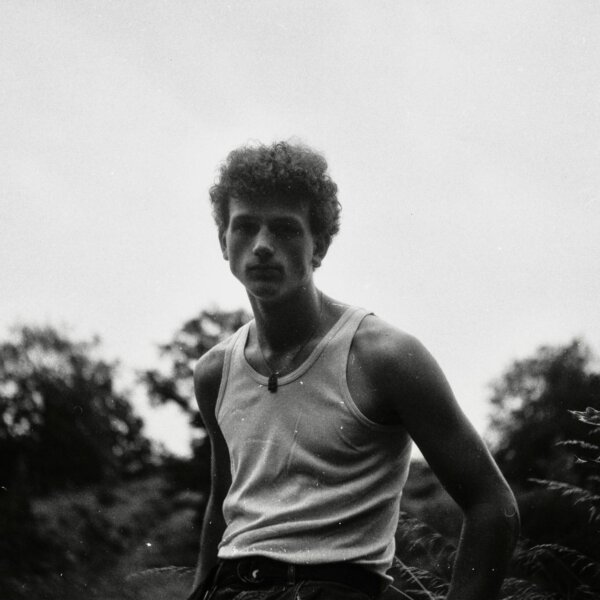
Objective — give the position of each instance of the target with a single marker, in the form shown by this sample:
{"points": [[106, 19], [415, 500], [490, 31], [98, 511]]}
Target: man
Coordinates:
{"points": [[311, 408]]}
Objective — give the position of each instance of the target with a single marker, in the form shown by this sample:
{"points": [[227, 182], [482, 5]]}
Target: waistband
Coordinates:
{"points": [[261, 571]]}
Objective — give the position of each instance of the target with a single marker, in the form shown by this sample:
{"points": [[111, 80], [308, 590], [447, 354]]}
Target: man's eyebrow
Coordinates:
{"points": [[292, 220], [279, 220]]}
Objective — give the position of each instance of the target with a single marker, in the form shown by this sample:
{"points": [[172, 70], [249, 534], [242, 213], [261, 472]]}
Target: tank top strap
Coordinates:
{"points": [[232, 346], [345, 332]]}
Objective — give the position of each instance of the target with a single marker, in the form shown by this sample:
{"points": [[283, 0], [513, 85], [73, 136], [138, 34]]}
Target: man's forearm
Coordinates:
{"points": [[213, 527], [487, 541]]}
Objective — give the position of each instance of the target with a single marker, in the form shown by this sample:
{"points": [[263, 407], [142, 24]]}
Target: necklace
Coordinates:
{"points": [[273, 383]]}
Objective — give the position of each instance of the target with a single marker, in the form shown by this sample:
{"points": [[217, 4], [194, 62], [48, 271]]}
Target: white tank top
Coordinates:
{"points": [[313, 479]]}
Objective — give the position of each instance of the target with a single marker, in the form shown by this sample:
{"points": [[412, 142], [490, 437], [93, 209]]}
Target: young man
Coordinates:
{"points": [[311, 408]]}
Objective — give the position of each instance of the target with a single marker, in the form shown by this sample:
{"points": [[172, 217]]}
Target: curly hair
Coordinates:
{"points": [[291, 171]]}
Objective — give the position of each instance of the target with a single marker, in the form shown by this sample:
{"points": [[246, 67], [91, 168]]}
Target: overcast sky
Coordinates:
{"points": [[464, 137]]}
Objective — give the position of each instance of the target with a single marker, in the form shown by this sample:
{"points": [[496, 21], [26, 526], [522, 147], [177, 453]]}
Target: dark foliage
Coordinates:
{"points": [[174, 383], [195, 337], [531, 404], [70, 541], [62, 425], [62, 422]]}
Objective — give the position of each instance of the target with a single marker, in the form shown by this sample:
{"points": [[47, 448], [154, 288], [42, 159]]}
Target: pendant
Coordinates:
{"points": [[272, 386]]}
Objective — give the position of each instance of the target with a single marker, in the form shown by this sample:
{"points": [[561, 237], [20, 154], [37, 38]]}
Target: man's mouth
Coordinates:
{"points": [[265, 270]]}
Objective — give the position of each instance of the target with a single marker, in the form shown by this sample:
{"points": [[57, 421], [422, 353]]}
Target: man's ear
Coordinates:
{"points": [[223, 243], [321, 245]]}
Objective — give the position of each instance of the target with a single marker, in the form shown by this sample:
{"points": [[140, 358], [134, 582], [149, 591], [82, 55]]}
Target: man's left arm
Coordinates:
{"points": [[420, 394]]}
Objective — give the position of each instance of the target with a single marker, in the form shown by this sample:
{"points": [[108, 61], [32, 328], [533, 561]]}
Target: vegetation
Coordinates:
{"points": [[195, 337], [531, 419], [109, 543], [174, 383], [87, 511], [62, 426], [62, 421]]}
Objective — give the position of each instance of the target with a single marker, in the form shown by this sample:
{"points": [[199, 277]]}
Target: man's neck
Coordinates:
{"points": [[283, 325]]}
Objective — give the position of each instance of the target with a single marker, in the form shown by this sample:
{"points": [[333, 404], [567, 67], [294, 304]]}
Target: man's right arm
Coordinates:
{"points": [[207, 379]]}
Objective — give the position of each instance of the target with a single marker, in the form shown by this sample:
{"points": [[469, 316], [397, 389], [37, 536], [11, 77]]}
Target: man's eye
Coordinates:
{"points": [[287, 231], [244, 228]]}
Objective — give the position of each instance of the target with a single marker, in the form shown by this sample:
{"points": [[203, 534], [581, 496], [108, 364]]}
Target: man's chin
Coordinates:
{"points": [[264, 290]]}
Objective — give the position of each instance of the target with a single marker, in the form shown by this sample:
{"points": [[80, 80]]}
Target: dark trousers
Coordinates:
{"points": [[263, 579]]}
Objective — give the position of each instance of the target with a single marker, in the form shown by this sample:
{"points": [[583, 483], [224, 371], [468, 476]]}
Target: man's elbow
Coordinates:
{"points": [[508, 517], [511, 516], [499, 513]]}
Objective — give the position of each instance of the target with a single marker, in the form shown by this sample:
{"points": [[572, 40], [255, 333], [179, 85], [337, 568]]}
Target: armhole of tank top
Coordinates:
{"points": [[226, 368], [353, 326]]}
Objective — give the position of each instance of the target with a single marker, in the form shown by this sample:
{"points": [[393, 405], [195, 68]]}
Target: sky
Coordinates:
{"points": [[464, 138]]}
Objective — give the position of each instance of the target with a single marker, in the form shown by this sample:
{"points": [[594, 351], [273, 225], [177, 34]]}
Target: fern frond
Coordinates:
{"points": [[581, 445], [404, 595], [418, 534], [414, 580], [545, 558], [590, 415], [514, 588], [578, 494]]}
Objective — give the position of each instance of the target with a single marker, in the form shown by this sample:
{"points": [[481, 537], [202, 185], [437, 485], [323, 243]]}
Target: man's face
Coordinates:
{"points": [[270, 246]]}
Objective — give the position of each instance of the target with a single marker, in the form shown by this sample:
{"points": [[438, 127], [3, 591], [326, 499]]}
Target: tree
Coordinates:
{"points": [[61, 421], [195, 337], [531, 404], [174, 383]]}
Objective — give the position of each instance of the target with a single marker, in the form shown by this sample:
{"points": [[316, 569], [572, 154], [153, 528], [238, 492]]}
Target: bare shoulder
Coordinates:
{"points": [[385, 365], [380, 347], [410, 382], [207, 378], [406, 377]]}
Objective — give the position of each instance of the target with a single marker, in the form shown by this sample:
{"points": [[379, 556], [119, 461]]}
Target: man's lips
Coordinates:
{"points": [[264, 269]]}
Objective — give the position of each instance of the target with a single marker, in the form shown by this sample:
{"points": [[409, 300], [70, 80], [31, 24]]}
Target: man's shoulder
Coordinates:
{"points": [[383, 349], [210, 363], [382, 340], [209, 367]]}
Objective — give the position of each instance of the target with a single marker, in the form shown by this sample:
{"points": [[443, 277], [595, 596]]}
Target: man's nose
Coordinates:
{"points": [[263, 245]]}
